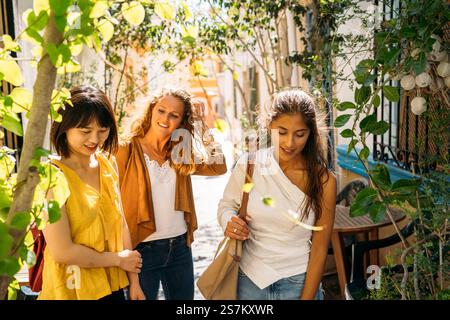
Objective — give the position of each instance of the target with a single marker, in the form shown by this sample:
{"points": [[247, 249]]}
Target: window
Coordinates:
{"points": [[409, 144]]}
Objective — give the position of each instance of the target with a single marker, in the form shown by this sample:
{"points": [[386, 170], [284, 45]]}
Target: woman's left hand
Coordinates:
{"points": [[136, 292]]}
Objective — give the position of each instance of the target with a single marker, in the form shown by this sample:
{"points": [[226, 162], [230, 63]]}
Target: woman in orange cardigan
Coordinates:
{"points": [[155, 163]]}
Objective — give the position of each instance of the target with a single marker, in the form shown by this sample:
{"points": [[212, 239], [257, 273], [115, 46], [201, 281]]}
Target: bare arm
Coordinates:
{"points": [[64, 251], [321, 240]]}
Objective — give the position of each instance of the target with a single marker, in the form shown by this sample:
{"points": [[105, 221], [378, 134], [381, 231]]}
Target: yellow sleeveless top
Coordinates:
{"points": [[95, 219]]}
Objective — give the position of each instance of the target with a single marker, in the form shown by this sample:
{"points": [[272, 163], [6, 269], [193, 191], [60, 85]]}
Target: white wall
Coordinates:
{"points": [[343, 89]]}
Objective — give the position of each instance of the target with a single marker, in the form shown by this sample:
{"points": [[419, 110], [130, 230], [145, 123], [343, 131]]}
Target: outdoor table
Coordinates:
{"points": [[345, 225]]}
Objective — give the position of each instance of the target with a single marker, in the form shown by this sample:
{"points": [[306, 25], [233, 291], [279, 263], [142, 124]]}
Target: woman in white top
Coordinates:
{"points": [[293, 194]]}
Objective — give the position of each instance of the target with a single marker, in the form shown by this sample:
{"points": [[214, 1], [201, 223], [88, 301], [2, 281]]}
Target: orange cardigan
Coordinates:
{"points": [[136, 192]]}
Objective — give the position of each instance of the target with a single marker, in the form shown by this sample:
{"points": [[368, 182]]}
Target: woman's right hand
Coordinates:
{"points": [[237, 228], [130, 261]]}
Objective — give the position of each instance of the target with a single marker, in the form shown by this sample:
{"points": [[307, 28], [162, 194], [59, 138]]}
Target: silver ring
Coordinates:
{"points": [[234, 230]]}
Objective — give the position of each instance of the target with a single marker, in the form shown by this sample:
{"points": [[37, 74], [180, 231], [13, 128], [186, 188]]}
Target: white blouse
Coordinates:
{"points": [[277, 246], [169, 222]]}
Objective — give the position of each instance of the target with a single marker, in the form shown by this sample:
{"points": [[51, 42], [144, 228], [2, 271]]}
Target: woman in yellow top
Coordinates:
{"points": [[88, 251]]}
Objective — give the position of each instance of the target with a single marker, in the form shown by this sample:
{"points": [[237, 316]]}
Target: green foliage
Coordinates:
{"points": [[81, 23]]}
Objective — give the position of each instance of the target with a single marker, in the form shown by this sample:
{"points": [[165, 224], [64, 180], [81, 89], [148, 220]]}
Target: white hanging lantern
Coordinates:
{"points": [[408, 82], [418, 105], [447, 82], [423, 80], [443, 69], [437, 45], [438, 56]]}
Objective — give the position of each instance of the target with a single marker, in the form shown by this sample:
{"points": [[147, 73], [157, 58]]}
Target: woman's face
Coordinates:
{"points": [[293, 134], [86, 140], [167, 116]]}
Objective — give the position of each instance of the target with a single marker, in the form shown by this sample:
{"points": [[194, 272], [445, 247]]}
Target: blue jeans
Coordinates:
{"points": [[285, 289], [169, 262]]}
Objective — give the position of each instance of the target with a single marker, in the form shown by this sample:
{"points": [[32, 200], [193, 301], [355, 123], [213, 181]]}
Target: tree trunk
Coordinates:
{"points": [[28, 178], [284, 69]]}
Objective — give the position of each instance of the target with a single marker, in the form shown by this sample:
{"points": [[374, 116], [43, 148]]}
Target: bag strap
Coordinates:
{"points": [[248, 178]]}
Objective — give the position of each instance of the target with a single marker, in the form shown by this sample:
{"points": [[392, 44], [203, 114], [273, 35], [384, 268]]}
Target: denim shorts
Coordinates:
{"points": [[284, 289]]}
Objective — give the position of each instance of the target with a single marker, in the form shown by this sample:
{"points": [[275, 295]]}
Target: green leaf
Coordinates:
{"points": [[12, 123], [54, 211], [34, 22], [64, 51], [379, 128], [364, 72], [346, 105], [420, 64], [5, 201], [406, 185], [347, 133], [9, 266], [106, 29], [134, 12], [268, 201], [380, 175], [341, 120], [96, 42], [376, 101], [61, 23], [221, 125], [22, 99], [362, 95], [10, 44], [13, 287], [165, 10], [367, 122], [187, 12], [7, 163], [364, 153], [377, 211], [21, 220], [11, 72], [41, 152], [53, 53], [391, 93], [99, 9], [6, 241], [363, 200], [351, 145], [70, 67], [33, 34], [59, 7]]}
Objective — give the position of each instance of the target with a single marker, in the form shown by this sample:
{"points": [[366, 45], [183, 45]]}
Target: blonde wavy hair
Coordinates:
{"points": [[141, 125]]}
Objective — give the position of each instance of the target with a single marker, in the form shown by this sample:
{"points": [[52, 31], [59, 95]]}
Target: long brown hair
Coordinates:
{"points": [[141, 125], [298, 102]]}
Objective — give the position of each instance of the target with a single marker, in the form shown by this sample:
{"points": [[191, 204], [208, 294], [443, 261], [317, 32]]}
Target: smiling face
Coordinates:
{"points": [[293, 135], [167, 116], [84, 141]]}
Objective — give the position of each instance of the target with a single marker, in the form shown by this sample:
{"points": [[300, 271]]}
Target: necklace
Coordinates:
{"points": [[160, 157]]}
